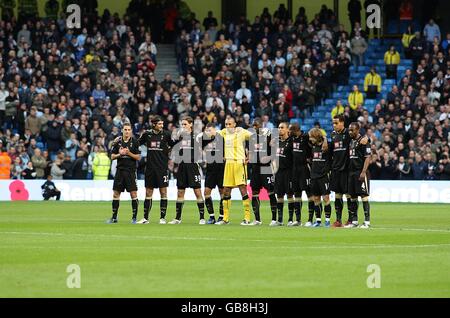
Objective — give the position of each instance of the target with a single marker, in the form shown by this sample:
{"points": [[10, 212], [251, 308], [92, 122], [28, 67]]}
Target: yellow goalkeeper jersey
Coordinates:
{"points": [[235, 143]]}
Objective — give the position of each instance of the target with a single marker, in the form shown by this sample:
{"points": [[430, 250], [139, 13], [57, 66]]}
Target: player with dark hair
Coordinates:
{"points": [[320, 184], [340, 140], [358, 181], [212, 144], [283, 175], [188, 174], [126, 151], [301, 175], [158, 142], [261, 170]]}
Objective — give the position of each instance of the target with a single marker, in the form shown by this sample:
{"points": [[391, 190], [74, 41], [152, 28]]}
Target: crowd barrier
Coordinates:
{"points": [[89, 190]]}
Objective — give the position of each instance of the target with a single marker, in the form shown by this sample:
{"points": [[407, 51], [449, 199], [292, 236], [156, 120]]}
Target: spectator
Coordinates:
{"points": [[444, 168], [33, 123], [101, 165], [355, 98], [432, 31], [338, 109], [209, 21], [392, 60], [39, 163], [56, 170], [5, 163], [407, 37], [404, 168], [358, 47], [354, 11], [372, 84], [80, 166], [29, 173], [419, 168]]}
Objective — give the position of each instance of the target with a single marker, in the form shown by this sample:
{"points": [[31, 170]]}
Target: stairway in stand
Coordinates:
{"points": [[167, 62]]}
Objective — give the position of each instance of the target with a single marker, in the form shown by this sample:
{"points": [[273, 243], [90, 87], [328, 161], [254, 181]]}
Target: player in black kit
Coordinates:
{"points": [[158, 142], [320, 184], [187, 151], [212, 144], [358, 182], [301, 175], [261, 170], [283, 176], [340, 140], [126, 151]]}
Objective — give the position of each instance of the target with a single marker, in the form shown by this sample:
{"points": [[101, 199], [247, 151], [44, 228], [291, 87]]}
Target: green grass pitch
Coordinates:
{"points": [[409, 242]]}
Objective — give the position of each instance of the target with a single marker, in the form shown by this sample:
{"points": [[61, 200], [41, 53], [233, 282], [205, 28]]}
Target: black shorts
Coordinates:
{"points": [[125, 180], [259, 181], [214, 177], [188, 176], [301, 179], [357, 187], [155, 178], [320, 186], [283, 182], [339, 181]]}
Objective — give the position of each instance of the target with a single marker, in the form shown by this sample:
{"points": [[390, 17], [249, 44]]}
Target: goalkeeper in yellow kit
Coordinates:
{"points": [[235, 174]]}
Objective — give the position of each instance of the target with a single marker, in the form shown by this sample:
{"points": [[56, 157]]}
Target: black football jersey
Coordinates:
{"points": [[187, 150], [158, 148], [259, 149], [284, 154], [301, 150], [339, 150], [126, 162], [214, 149], [358, 154], [320, 162]]}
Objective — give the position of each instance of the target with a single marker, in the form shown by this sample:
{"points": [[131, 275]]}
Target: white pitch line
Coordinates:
{"points": [[342, 246], [408, 229]]}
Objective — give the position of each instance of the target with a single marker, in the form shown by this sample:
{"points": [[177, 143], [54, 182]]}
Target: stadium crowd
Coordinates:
{"points": [[65, 94]]}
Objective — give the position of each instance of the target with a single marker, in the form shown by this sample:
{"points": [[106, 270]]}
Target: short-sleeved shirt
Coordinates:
{"points": [[339, 150], [358, 155], [158, 147], [126, 162], [235, 143]]}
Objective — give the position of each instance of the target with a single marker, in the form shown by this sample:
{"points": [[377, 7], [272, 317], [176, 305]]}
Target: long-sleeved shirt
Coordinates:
{"points": [[430, 31]]}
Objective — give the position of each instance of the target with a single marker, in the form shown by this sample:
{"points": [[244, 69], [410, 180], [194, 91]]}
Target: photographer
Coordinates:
{"points": [[49, 189]]}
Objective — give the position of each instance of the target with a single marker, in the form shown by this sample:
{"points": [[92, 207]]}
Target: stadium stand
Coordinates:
{"points": [[64, 94]]}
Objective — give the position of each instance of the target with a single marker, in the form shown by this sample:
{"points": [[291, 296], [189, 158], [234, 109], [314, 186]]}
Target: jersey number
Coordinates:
{"points": [[197, 178], [165, 179]]}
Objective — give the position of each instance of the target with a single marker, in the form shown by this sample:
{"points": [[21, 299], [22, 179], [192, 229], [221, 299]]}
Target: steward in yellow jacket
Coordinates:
{"points": [[101, 165], [356, 98], [372, 83]]}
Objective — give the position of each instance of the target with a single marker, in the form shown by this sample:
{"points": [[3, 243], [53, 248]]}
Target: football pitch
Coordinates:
{"points": [[408, 245]]}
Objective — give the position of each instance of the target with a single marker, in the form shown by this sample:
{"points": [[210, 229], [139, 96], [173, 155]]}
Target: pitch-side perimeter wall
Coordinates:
{"points": [[88, 190]]}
